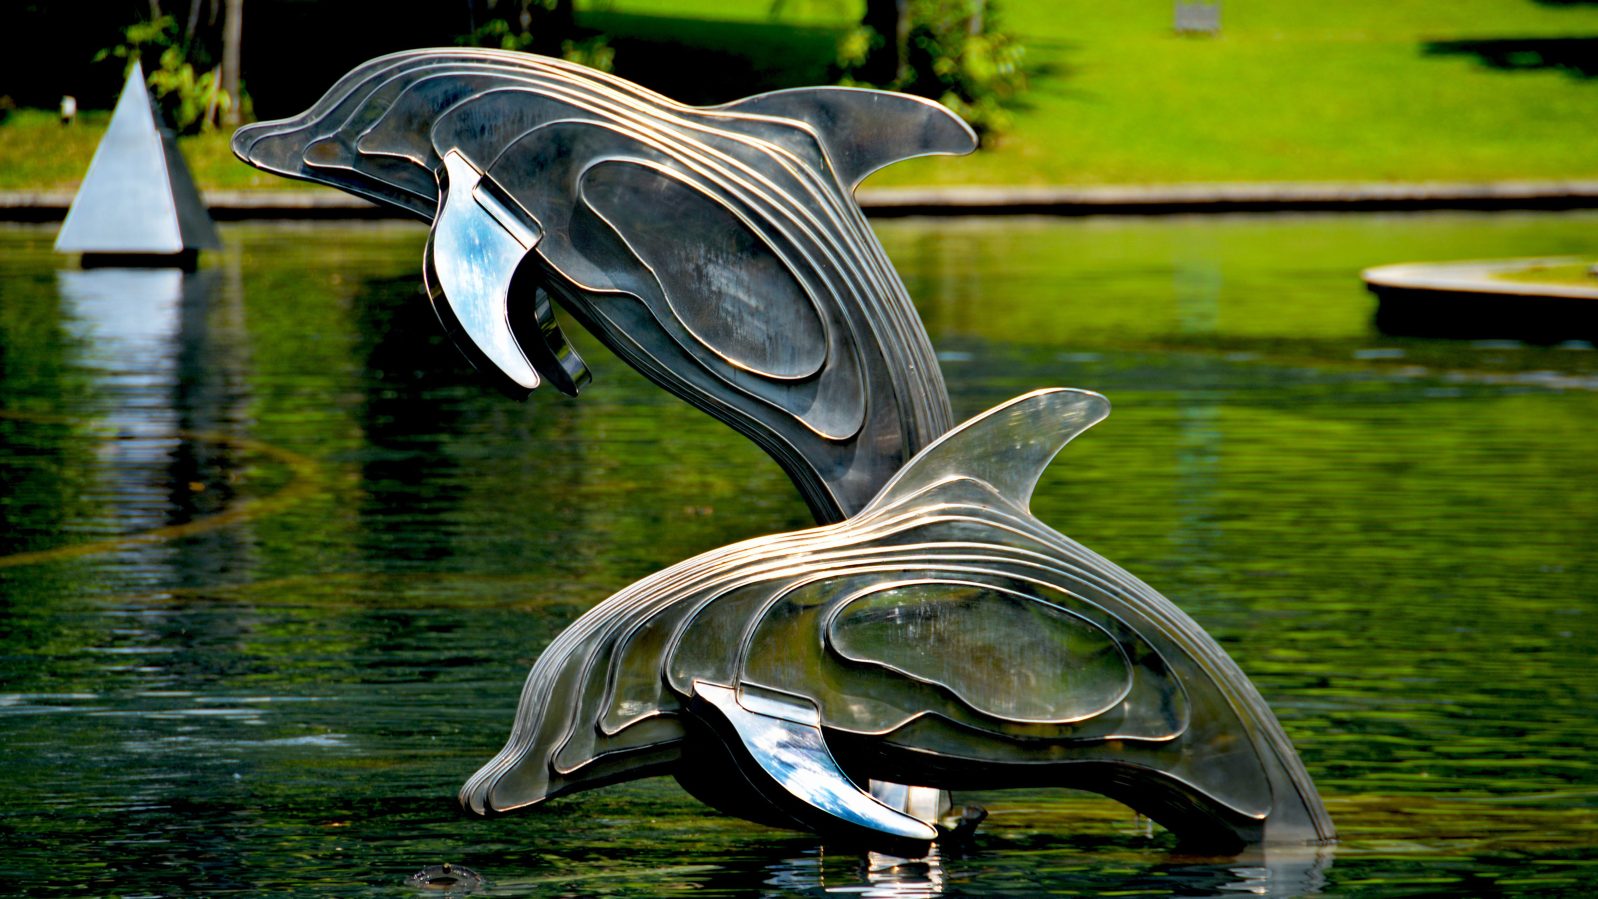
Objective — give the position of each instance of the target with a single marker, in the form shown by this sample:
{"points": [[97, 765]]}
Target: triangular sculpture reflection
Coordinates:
{"points": [[137, 204]]}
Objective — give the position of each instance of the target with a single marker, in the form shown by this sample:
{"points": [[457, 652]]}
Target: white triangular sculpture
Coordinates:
{"points": [[138, 198]]}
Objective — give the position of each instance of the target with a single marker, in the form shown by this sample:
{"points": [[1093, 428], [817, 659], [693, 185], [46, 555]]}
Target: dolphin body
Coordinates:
{"points": [[717, 250], [941, 636]]}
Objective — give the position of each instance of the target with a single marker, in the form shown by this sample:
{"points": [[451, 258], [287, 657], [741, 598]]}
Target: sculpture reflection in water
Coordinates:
{"points": [[933, 631], [874, 875]]}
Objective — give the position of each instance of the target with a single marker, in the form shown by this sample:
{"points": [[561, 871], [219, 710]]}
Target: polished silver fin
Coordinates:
{"points": [[479, 240], [783, 740], [473, 250]]}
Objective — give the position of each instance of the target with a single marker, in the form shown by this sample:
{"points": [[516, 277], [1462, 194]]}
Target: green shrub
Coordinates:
{"points": [[955, 53], [191, 99], [593, 50]]}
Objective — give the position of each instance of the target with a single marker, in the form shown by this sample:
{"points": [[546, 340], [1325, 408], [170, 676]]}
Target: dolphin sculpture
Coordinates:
{"points": [[717, 250], [943, 636]]}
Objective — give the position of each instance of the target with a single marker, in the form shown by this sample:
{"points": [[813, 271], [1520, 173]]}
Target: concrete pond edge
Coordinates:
{"points": [[900, 202]]}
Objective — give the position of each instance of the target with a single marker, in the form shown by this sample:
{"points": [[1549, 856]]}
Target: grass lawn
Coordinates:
{"points": [[37, 153], [1290, 90], [1573, 274], [1293, 90]]}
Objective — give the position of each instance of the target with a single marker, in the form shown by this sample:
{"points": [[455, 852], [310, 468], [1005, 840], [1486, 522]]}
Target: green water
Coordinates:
{"points": [[273, 565]]}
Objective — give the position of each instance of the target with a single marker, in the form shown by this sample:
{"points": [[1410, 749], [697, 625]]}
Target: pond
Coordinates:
{"points": [[273, 564]]}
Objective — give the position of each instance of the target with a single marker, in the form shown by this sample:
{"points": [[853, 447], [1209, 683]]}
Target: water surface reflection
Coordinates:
{"points": [[273, 565]]}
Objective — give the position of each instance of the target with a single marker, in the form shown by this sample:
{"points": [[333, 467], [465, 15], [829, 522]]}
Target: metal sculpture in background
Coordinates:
{"points": [[137, 204], [933, 632]]}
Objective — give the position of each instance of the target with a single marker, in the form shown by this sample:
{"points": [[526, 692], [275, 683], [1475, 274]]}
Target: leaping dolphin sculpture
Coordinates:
{"points": [[941, 636], [717, 250]]}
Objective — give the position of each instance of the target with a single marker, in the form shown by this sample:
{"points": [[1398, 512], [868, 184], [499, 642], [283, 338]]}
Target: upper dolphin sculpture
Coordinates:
{"points": [[717, 250], [941, 636]]}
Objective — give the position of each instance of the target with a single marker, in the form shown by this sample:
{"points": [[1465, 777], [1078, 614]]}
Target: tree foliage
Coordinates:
{"points": [[952, 51], [537, 26], [184, 79]]}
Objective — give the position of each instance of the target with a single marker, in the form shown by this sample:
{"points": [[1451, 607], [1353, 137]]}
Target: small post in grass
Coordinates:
{"points": [[1198, 18]]}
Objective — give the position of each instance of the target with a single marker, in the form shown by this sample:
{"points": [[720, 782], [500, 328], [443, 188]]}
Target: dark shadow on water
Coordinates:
{"points": [[1471, 315], [1575, 56], [409, 402]]}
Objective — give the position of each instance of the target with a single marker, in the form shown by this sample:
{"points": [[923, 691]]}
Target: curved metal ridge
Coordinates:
{"points": [[1180, 730], [605, 178]]}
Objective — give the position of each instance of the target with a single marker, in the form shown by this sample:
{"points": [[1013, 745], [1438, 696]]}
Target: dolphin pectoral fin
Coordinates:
{"points": [[475, 251], [472, 254], [864, 130], [785, 756], [545, 343]]}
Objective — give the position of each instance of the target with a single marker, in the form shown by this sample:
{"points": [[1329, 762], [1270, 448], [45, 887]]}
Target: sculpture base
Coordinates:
{"points": [[188, 260]]}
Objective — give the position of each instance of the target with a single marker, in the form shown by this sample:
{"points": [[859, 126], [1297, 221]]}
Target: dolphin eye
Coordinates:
{"points": [[1004, 654]]}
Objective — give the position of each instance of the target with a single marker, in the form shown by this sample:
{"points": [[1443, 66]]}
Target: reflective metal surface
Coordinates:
{"points": [[717, 250], [137, 198], [943, 636], [939, 635]]}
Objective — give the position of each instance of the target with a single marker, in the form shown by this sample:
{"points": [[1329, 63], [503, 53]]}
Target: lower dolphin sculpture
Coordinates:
{"points": [[942, 636], [937, 634]]}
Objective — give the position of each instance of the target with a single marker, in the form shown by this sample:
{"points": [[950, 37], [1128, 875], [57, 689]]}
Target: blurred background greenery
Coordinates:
{"points": [[1064, 91]]}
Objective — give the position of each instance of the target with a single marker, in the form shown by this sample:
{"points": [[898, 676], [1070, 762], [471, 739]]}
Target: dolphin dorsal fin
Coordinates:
{"points": [[1007, 447], [863, 130]]}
